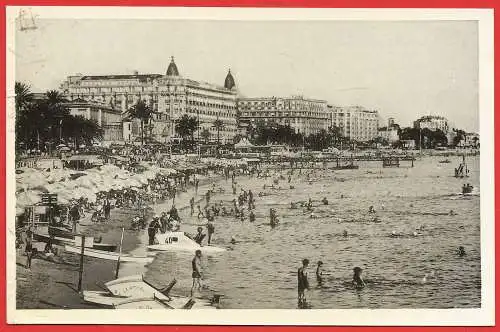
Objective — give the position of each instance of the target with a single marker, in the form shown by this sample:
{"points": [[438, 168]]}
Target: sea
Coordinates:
{"points": [[418, 268]]}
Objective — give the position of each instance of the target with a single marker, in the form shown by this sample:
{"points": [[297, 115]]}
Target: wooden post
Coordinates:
{"points": [[80, 276], [119, 255]]}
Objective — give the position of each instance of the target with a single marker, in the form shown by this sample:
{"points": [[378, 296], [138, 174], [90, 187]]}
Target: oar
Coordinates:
{"points": [[119, 255]]}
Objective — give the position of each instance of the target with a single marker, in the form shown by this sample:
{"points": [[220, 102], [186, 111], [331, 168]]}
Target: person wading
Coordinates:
{"points": [[210, 231], [303, 282], [197, 276]]}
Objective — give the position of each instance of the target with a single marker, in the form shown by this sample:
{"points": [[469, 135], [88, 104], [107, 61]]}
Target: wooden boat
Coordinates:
{"points": [[179, 241], [126, 290], [62, 232], [146, 303], [61, 241], [112, 256], [106, 299]]}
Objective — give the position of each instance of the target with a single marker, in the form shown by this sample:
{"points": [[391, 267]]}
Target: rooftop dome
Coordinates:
{"points": [[229, 82], [172, 69]]}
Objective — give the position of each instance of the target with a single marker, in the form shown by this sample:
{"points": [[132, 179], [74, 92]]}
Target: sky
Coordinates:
{"points": [[403, 69]]}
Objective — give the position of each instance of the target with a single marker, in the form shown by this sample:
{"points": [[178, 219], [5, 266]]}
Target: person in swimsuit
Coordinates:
{"points": [[319, 273], [197, 276], [461, 251], [200, 213], [28, 249], [191, 204], [357, 280], [210, 231], [303, 282], [199, 236]]}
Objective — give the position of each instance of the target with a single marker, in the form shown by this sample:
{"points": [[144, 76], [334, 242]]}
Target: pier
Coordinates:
{"points": [[339, 162]]}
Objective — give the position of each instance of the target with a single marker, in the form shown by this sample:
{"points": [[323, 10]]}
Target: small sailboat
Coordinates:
{"points": [[179, 241], [462, 170]]}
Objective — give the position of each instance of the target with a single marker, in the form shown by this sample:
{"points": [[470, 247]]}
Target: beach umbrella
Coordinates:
{"points": [[19, 210], [28, 198]]}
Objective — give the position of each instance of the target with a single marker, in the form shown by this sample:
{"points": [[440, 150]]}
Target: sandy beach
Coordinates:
{"points": [[54, 285]]}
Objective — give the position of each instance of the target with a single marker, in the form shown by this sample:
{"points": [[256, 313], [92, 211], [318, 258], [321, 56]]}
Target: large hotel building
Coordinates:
{"points": [[355, 122], [170, 96], [306, 116]]}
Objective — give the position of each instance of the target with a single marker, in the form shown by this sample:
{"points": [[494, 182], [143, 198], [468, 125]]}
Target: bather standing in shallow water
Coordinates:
{"points": [[357, 280]]}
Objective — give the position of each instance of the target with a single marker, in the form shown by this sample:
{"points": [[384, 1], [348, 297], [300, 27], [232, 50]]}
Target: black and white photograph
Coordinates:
{"points": [[315, 161]]}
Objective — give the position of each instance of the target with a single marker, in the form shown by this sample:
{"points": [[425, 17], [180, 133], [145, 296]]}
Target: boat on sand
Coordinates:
{"points": [[135, 292], [61, 241], [179, 241], [112, 256]]}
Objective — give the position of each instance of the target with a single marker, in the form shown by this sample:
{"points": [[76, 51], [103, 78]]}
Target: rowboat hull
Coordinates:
{"points": [[130, 288], [136, 287], [105, 299], [188, 249], [112, 256], [61, 241]]}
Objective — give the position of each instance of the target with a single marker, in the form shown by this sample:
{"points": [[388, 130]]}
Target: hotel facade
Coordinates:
{"points": [[304, 115], [170, 96], [433, 122], [355, 122]]}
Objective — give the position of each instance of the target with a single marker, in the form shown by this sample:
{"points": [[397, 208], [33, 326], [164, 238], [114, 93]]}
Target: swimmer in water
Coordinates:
{"points": [[452, 213], [233, 241], [319, 272], [357, 280], [371, 209], [344, 233], [461, 251], [251, 216]]}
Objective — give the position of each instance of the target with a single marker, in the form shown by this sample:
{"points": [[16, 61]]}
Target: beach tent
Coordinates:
{"points": [[244, 143]]}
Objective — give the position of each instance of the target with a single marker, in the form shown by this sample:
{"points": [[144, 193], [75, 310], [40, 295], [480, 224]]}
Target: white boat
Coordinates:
{"points": [[133, 287], [72, 242], [112, 256], [142, 304], [107, 299], [179, 241]]}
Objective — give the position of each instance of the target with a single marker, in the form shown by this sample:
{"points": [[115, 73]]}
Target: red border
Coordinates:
{"points": [[230, 3]]}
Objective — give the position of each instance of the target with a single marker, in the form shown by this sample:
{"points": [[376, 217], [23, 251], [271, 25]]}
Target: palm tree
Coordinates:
{"points": [[23, 96], [186, 126], [143, 112], [218, 125], [54, 97], [205, 134]]}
